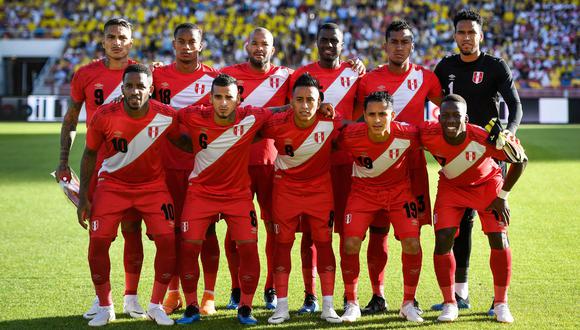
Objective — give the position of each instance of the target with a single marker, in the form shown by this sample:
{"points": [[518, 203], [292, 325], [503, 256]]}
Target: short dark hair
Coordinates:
{"points": [[138, 68], [117, 21], [223, 80], [328, 26], [186, 26], [379, 97], [467, 15], [455, 98], [306, 80], [398, 25]]}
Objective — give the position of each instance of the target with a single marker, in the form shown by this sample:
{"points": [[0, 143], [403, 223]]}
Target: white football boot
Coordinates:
{"points": [[156, 313], [132, 307], [281, 312], [409, 311], [328, 313], [93, 310], [351, 313], [502, 313], [105, 315], [450, 313]]}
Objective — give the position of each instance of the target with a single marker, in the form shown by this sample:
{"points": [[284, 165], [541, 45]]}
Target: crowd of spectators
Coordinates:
{"points": [[538, 39]]}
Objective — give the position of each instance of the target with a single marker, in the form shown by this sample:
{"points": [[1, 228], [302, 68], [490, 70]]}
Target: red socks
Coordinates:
{"points": [[327, 267], [282, 266], [233, 259], [500, 262], [132, 260], [165, 261], [189, 270], [308, 256], [445, 272], [100, 266], [350, 265], [377, 257], [270, 247], [249, 272], [411, 272], [210, 260]]}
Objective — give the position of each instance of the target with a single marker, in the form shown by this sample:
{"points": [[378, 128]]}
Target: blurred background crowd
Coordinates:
{"points": [[538, 39]]}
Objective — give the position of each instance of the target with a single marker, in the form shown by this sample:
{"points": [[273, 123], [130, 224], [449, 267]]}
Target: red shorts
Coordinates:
{"points": [[130, 215], [397, 205], [420, 185], [341, 182], [177, 183], [110, 206], [452, 201], [262, 177], [201, 210], [300, 205]]}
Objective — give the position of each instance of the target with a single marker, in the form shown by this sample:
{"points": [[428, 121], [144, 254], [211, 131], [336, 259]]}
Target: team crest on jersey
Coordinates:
{"points": [[477, 77], [239, 130], [184, 227], [275, 82], [153, 131], [94, 225], [345, 81], [470, 155], [319, 137], [199, 88], [394, 153], [348, 218], [412, 84]]}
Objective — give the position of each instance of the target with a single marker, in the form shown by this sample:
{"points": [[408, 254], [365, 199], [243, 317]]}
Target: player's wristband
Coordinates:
{"points": [[503, 194]]}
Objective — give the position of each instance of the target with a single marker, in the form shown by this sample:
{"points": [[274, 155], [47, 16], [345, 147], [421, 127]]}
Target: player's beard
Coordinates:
{"points": [[258, 63]]}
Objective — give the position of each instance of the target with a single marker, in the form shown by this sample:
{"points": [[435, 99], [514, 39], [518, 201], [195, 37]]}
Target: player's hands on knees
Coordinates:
{"points": [[501, 210], [84, 212], [63, 173], [357, 65], [327, 110]]}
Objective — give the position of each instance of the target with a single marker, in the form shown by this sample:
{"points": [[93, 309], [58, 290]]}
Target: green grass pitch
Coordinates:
{"points": [[45, 283]]}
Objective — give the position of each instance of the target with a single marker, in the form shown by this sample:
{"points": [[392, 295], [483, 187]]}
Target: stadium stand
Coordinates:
{"points": [[539, 39]]}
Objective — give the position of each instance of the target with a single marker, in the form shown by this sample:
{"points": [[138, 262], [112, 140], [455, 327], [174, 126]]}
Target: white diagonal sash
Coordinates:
{"points": [[307, 149], [384, 161], [221, 145], [189, 95], [340, 86], [403, 95], [461, 163], [140, 143], [114, 94], [267, 89]]}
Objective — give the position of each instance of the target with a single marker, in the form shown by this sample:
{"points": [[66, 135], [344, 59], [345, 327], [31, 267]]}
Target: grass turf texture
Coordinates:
{"points": [[45, 282]]}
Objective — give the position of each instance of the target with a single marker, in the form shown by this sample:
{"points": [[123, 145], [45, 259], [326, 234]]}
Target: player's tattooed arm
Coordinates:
{"points": [[500, 205], [183, 142], [87, 169], [68, 132], [279, 109]]}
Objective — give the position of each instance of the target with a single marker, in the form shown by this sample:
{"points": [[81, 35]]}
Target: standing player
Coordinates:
{"points": [[302, 186], [339, 81], [130, 177], [479, 78], [411, 86], [182, 83], [469, 178], [96, 84], [381, 189], [264, 85]]}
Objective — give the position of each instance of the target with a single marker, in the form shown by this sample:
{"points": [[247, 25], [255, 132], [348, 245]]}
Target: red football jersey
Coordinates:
{"points": [[303, 153], [131, 147], [470, 163], [380, 164], [269, 89], [95, 85], [410, 90], [222, 152], [340, 89], [179, 90]]}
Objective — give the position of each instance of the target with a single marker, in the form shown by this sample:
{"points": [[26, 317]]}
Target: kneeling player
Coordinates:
{"points": [[303, 190], [469, 178], [130, 177], [381, 185]]}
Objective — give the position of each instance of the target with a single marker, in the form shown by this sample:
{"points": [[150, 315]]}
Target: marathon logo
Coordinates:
{"points": [[345, 81], [199, 88], [394, 153], [319, 137], [275, 82], [412, 84], [470, 155], [477, 77], [239, 130], [153, 131], [94, 225]]}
